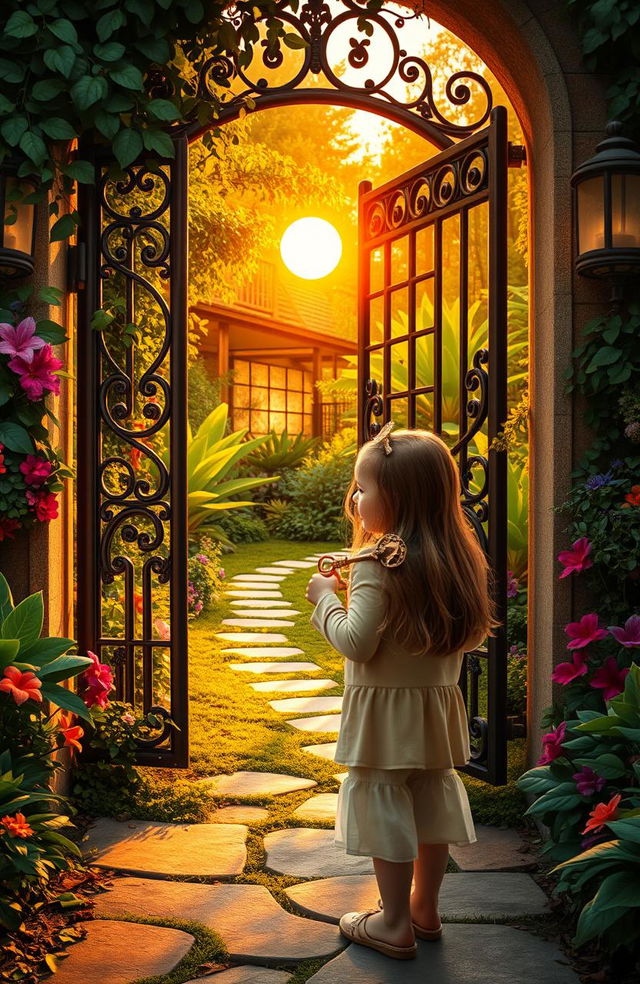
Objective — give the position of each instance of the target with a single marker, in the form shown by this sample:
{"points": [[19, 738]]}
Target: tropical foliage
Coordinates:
{"points": [[281, 451]]}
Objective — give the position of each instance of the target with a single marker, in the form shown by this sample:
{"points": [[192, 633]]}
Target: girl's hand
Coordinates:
{"points": [[319, 585]]}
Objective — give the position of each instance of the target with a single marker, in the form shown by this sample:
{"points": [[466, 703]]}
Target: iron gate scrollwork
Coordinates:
{"points": [[132, 556], [433, 354]]}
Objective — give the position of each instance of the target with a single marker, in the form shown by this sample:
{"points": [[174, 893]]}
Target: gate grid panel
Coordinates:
{"points": [[432, 333], [132, 527]]}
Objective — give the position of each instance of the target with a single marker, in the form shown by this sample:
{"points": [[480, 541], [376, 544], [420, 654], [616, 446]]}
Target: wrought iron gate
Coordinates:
{"points": [[132, 527], [432, 332]]}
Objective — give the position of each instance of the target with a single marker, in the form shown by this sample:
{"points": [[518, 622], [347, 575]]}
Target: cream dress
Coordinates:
{"points": [[403, 731]]}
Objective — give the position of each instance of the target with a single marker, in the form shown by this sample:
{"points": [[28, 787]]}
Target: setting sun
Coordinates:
{"points": [[311, 248]]}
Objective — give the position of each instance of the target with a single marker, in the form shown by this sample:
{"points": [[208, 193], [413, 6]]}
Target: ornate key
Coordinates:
{"points": [[390, 550]]}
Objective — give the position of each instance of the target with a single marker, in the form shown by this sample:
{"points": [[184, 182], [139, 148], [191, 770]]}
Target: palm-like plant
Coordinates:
{"points": [[278, 452]]}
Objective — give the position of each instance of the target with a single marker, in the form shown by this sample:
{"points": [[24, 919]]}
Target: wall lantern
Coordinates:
{"points": [[18, 229]]}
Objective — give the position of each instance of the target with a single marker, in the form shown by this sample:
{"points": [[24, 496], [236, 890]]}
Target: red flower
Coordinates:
{"points": [[8, 528], [36, 470], [602, 813], [21, 686], [552, 744], [137, 602], [3, 467], [633, 497], [576, 559], [36, 376], [566, 672], [585, 631], [71, 734], [98, 680], [44, 504], [17, 826], [609, 678]]}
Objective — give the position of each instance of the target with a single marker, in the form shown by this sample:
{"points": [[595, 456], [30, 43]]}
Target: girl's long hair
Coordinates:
{"points": [[439, 598]]}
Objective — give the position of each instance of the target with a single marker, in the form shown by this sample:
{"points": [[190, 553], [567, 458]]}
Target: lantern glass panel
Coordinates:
{"points": [[19, 234], [591, 214], [625, 209]]}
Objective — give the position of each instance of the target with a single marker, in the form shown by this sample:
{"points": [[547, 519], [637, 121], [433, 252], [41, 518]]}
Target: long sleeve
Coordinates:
{"points": [[354, 632]]}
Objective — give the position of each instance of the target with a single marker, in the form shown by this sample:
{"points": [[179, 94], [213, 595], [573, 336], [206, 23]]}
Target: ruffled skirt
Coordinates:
{"points": [[386, 813]]}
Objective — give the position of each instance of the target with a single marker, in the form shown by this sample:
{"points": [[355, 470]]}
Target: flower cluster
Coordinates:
{"points": [[97, 681], [204, 577]]}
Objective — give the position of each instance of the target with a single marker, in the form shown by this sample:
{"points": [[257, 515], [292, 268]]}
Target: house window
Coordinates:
{"points": [[266, 397]]}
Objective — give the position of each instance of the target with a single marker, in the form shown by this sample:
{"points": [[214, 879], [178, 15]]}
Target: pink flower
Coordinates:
{"points": [[583, 632], [128, 718], [221, 573], [552, 744], [588, 782], [512, 585], [576, 559], [21, 341], [35, 469], [162, 628], [98, 680], [566, 672], [609, 678], [630, 635], [36, 376]]}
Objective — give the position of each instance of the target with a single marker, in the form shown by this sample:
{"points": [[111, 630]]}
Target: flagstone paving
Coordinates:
{"points": [[274, 570], [479, 895], [289, 705], [268, 686], [142, 847], [149, 950], [267, 613], [261, 585], [495, 850], [275, 667], [260, 637], [257, 623], [324, 722], [307, 853], [326, 750], [245, 783], [275, 652], [322, 806], [247, 917], [253, 593], [278, 576], [242, 813], [259, 603], [246, 974], [295, 563]]}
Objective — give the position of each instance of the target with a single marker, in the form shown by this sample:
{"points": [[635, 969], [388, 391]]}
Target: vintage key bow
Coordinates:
{"points": [[390, 550]]}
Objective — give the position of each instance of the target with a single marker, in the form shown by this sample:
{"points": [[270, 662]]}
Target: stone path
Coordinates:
{"points": [[163, 864]]}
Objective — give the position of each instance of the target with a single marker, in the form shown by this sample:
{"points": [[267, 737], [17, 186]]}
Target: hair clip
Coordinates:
{"points": [[383, 436]]}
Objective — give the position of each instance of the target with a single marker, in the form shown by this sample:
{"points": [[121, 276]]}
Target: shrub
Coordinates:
{"points": [[516, 681], [204, 576], [242, 527]]}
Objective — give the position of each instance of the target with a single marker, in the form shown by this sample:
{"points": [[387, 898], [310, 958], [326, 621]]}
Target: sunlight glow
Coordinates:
{"points": [[311, 248]]}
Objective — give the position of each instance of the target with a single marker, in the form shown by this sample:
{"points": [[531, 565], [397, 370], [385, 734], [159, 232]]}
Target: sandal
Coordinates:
{"points": [[352, 925], [421, 933]]}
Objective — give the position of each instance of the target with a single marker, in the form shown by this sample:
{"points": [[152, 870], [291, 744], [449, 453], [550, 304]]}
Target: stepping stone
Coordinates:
{"points": [[293, 685], [274, 570], [260, 637], [304, 852], [476, 896], [275, 652], [261, 585], [267, 613], [142, 847], [341, 776], [258, 623], [325, 751], [495, 850], [258, 603], [289, 705], [251, 923], [149, 951], [256, 784], [294, 563], [262, 578], [246, 974], [323, 722], [252, 593], [320, 807], [468, 954], [275, 667], [239, 814]]}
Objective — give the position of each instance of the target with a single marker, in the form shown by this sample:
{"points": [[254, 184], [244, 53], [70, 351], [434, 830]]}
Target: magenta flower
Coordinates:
{"points": [[566, 672], [36, 376], [221, 572], [577, 558], [35, 469], [20, 342], [583, 632], [588, 782], [609, 678], [630, 635], [98, 679], [552, 744], [512, 585]]}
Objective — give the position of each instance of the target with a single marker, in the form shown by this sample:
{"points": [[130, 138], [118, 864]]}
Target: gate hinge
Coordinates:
{"points": [[516, 155], [76, 268]]}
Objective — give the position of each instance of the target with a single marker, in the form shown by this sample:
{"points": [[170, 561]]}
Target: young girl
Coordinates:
{"points": [[404, 724]]}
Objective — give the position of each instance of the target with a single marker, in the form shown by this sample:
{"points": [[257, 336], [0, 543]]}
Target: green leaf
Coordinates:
{"points": [[12, 71], [51, 332], [51, 295], [13, 129], [109, 23], [25, 621], [159, 142], [43, 651], [63, 228], [605, 356], [48, 89], [57, 128], [63, 668], [608, 766], [107, 123], [155, 49], [21, 25], [10, 915], [109, 52], [5, 105], [34, 147], [88, 90], [563, 797], [64, 30], [163, 109], [6, 599], [61, 59], [127, 146], [15, 437], [80, 171], [294, 41], [129, 77], [627, 829], [8, 651], [66, 699]]}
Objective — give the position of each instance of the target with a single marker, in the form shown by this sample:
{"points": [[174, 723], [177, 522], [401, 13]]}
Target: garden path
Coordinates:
{"points": [[160, 865]]}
